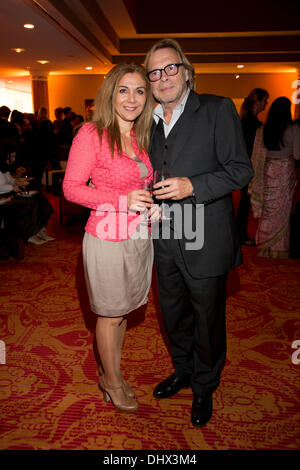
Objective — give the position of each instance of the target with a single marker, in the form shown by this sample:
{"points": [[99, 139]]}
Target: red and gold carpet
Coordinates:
{"points": [[48, 386]]}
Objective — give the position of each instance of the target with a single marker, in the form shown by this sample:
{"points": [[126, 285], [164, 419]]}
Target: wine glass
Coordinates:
{"points": [[162, 174], [147, 186]]}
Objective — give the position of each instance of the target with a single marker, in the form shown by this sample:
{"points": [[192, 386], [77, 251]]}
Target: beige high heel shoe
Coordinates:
{"points": [[128, 389], [129, 405]]}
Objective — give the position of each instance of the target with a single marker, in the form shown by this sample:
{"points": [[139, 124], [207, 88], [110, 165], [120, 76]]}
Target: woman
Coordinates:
{"points": [[276, 146], [110, 152], [254, 104]]}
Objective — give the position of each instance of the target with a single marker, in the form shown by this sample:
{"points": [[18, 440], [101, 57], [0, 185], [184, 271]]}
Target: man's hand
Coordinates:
{"points": [[173, 188]]}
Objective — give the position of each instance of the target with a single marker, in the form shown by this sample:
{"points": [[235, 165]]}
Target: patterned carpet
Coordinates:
{"points": [[48, 386]]}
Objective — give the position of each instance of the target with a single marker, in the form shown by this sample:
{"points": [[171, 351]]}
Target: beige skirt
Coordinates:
{"points": [[118, 274]]}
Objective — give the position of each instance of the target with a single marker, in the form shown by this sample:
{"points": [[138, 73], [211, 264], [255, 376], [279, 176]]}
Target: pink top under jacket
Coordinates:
{"points": [[112, 179]]}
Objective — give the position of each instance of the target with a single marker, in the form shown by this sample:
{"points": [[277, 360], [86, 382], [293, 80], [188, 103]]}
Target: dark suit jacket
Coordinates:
{"points": [[210, 150]]}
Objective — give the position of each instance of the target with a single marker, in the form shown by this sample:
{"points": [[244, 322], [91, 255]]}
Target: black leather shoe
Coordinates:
{"points": [[201, 410], [170, 386]]}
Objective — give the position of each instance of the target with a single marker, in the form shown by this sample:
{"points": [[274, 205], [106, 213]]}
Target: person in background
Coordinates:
{"points": [[17, 118], [66, 133], [199, 137], [45, 144], [26, 217], [111, 151], [58, 136], [295, 216], [276, 147], [254, 104], [8, 131], [76, 122], [89, 114], [59, 116]]}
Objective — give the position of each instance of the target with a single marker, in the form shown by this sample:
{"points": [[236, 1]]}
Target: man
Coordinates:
{"points": [[66, 133], [199, 138]]}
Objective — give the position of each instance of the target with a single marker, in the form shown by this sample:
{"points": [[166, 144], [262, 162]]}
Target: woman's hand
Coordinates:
{"points": [[155, 213], [139, 199]]}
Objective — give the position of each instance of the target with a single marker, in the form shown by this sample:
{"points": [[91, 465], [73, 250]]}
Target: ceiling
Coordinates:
{"points": [[74, 34]]}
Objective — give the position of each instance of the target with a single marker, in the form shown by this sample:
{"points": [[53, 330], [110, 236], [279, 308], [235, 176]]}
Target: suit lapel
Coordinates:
{"points": [[153, 128]]}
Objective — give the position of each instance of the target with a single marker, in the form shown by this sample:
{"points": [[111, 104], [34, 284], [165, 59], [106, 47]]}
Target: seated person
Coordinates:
{"points": [[23, 217]]}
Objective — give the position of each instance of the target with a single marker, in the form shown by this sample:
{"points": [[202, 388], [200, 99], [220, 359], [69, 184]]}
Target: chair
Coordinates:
{"points": [[50, 177]]}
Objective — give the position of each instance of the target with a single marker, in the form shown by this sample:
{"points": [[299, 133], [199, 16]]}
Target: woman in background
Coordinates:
{"points": [[254, 104], [111, 153], [276, 146]]}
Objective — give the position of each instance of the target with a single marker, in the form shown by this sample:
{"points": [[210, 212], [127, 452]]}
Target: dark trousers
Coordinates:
{"points": [[243, 214], [194, 318], [26, 216]]}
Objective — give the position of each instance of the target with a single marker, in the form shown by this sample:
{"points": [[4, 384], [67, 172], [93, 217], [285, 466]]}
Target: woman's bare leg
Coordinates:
{"points": [[120, 341], [110, 334]]}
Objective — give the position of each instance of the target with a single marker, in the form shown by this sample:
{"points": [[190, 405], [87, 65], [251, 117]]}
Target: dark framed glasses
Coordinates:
{"points": [[171, 69]]}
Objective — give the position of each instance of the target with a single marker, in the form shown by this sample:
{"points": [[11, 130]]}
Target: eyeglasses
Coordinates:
{"points": [[171, 69]]}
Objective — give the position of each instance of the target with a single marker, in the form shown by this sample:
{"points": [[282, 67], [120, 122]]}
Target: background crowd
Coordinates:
{"points": [[273, 193], [29, 145], [34, 142]]}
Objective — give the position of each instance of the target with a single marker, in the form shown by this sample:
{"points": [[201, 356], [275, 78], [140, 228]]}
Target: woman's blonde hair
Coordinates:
{"points": [[171, 43], [105, 114]]}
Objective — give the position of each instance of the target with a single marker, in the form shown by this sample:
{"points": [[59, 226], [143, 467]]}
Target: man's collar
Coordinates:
{"points": [[159, 112]]}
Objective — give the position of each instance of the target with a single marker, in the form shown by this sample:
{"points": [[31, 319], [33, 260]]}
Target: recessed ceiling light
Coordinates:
{"points": [[18, 50], [43, 61], [89, 68], [28, 26], [240, 66]]}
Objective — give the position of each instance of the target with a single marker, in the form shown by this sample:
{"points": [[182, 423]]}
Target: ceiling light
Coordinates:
{"points": [[240, 66], [18, 50], [10, 81], [28, 26], [43, 61], [89, 68], [237, 76]]}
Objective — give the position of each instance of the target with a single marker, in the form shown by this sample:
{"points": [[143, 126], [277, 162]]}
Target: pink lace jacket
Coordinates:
{"points": [[111, 181]]}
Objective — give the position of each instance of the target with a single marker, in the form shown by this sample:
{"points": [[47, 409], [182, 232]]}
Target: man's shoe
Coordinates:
{"points": [[170, 386], [201, 410]]}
